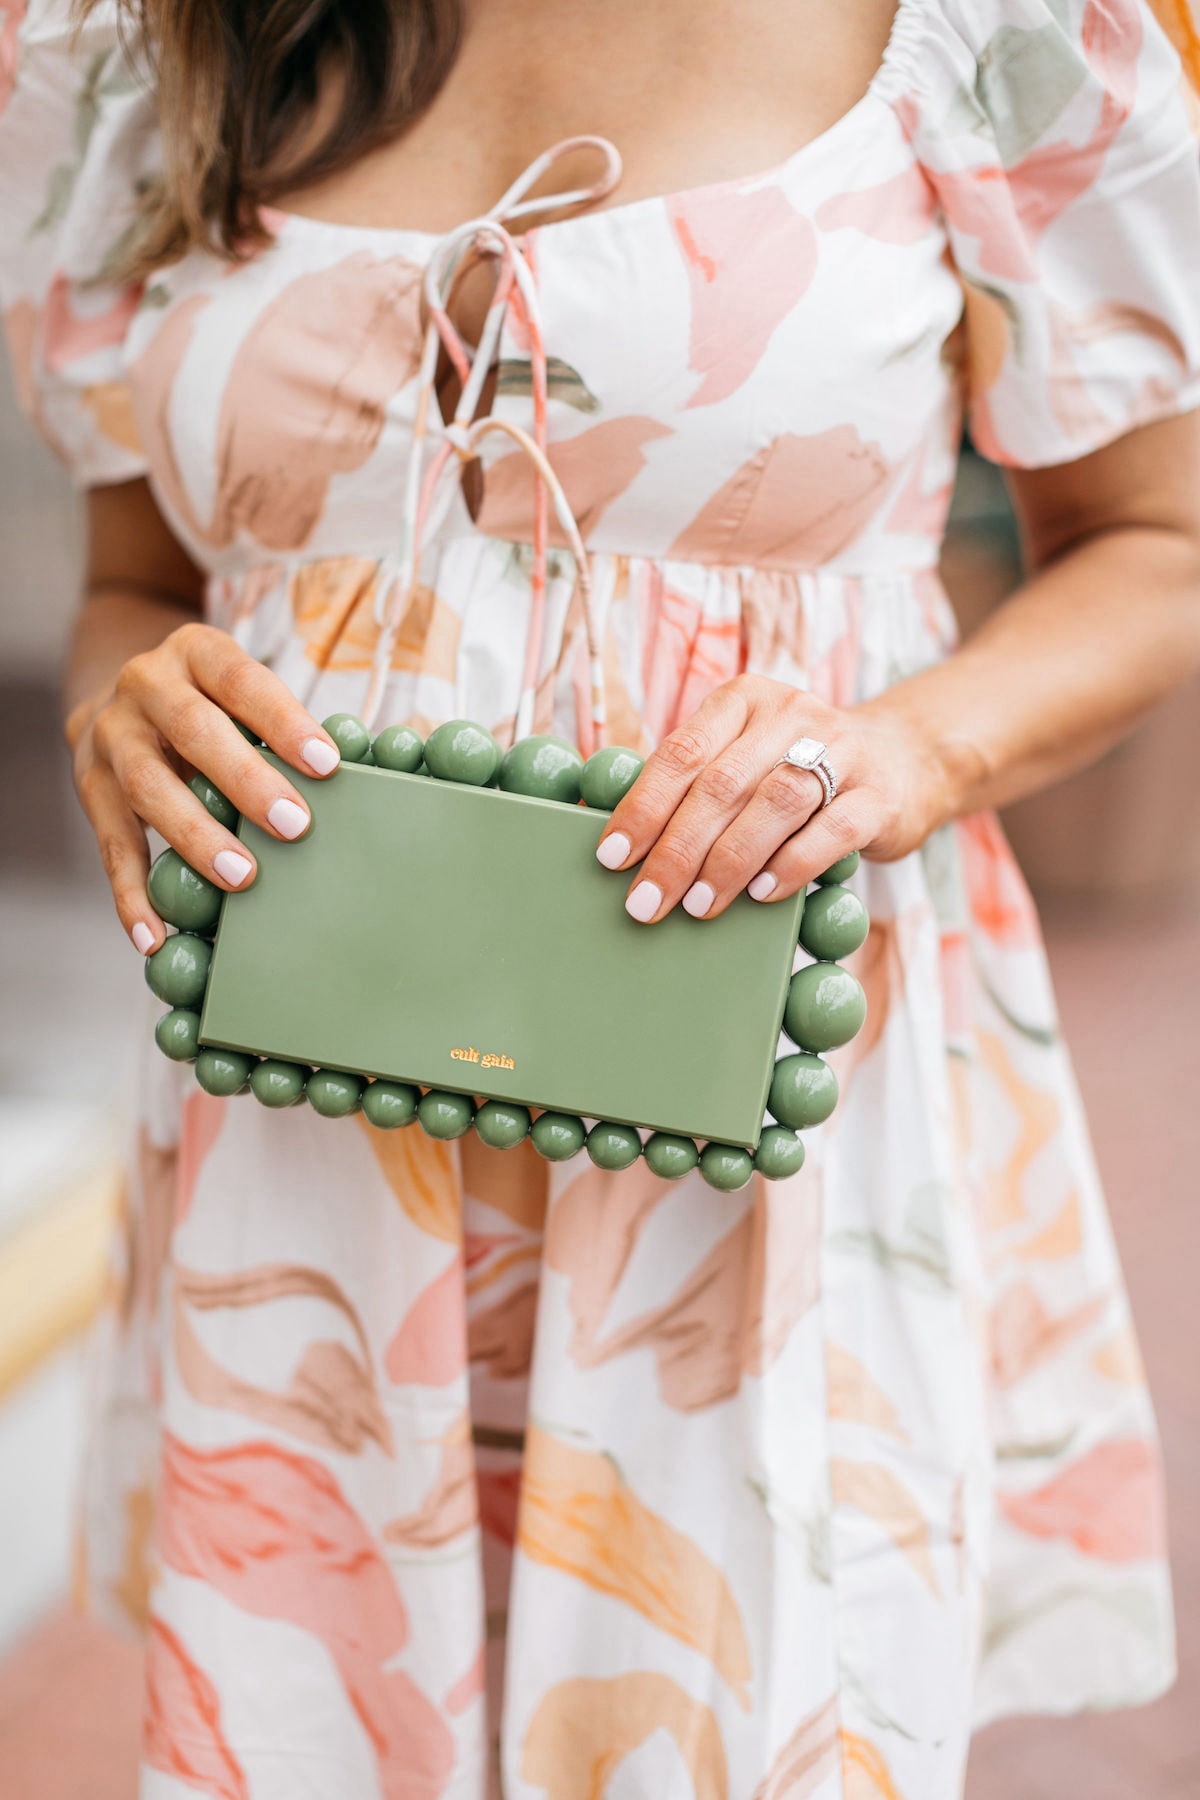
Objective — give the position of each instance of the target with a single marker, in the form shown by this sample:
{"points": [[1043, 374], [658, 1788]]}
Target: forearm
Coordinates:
{"points": [[1084, 649], [116, 622]]}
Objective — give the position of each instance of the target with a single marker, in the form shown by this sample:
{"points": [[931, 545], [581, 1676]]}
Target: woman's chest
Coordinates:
{"points": [[745, 372]]}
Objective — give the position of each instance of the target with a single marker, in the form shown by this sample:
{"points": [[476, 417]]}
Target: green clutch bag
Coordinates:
{"points": [[443, 947]]}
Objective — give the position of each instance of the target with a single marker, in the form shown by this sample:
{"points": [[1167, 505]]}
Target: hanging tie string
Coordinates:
{"points": [[427, 495]]}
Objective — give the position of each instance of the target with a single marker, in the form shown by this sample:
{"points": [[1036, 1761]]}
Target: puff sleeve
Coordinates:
{"points": [[1057, 138], [78, 135]]}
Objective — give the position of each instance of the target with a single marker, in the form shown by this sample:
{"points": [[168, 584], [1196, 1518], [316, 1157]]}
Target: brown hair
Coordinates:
{"points": [[238, 87]]}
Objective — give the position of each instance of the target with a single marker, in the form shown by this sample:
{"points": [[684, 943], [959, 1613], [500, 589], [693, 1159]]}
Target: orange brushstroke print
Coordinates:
{"points": [[181, 1726], [855, 1397], [1179, 20], [808, 1757], [420, 1172], [797, 502], [865, 1775], [1108, 1504], [1036, 1117], [1024, 1334], [583, 1730], [331, 1399], [579, 1515], [880, 1494], [730, 1315], [450, 1507], [273, 1533]]}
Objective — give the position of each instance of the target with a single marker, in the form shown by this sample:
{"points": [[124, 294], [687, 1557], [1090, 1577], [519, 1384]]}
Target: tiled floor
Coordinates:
{"points": [[1130, 995]]}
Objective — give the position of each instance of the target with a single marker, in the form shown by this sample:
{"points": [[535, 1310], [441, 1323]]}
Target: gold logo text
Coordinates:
{"points": [[489, 1060]]}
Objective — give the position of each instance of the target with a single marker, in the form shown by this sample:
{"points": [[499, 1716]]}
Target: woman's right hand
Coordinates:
{"points": [[174, 706]]}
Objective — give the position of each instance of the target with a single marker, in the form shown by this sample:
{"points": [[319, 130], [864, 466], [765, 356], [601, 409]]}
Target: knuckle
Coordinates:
{"points": [[684, 752], [184, 720], [189, 637], [141, 780], [239, 681], [726, 782], [842, 829], [134, 676], [89, 785], [782, 796], [114, 854], [675, 860]]}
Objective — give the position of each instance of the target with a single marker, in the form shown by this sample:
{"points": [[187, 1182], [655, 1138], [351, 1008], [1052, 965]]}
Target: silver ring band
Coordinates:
{"points": [[809, 754]]}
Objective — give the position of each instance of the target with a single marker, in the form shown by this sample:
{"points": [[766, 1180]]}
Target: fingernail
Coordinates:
{"points": [[644, 902], [613, 850], [288, 819], [143, 938], [231, 867], [762, 886], [698, 899], [321, 757]]}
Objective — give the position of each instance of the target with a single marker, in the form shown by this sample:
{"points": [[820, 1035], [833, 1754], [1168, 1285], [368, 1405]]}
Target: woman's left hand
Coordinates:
{"points": [[711, 813]]}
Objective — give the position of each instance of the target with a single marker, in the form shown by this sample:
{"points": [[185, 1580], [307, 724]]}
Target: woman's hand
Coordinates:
{"points": [[172, 707], [711, 814]]}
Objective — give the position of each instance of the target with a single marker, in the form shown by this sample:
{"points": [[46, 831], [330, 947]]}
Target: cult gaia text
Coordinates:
{"points": [[490, 1060]]}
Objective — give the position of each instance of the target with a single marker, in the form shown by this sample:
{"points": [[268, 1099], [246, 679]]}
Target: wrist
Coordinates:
{"points": [[951, 769]]}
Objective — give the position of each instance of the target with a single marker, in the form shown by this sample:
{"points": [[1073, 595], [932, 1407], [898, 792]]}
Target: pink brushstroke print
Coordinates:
{"points": [[750, 258], [272, 1532], [181, 1734]]}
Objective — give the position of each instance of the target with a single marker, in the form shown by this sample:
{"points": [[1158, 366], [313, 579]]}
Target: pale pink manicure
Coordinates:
{"points": [[143, 938], [644, 902], [288, 819], [231, 867], [698, 899], [762, 886], [614, 850], [321, 757]]}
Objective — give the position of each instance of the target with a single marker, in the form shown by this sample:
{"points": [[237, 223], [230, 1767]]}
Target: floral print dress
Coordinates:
{"points": [[429, 1473]]}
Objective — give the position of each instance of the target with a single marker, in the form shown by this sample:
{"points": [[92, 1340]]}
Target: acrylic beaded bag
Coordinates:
{"points": [[442, 946]]}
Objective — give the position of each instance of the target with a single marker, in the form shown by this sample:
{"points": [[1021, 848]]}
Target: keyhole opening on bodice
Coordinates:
{"points": [[467, 309]]}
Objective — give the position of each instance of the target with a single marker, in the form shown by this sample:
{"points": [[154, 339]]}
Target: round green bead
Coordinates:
{"points": [[349, 734], [804, 1091], [835, 923], [277, 1083], [557, 1136], [182, 897], [461, 751], [548, 768], [177, 1034], [726, 1167], [390, 1104], [501, 1125], [669, 1156], [214, 801], [608, 776], [333, 1093], [399, 747], [825, 1007], [178, 970], [780, 1153], [841, 870], [446, 1115], [613, 1146], [224, 1072]]}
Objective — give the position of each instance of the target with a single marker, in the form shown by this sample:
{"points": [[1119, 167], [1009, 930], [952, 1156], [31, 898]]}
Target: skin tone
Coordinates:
{"points": [[1106, 625]]}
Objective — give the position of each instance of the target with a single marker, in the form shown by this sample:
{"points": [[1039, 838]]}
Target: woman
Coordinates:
{"points": [[424, 1478]]}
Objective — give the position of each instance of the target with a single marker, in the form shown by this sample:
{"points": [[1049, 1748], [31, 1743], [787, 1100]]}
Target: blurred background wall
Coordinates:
{"points": [[1115, 857]]}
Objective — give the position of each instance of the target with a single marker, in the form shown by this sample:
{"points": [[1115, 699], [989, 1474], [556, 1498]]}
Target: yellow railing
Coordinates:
{"points": [[54, 1273]]}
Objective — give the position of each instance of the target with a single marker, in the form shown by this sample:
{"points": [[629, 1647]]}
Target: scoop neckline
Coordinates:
{"points": [[894, 63]]}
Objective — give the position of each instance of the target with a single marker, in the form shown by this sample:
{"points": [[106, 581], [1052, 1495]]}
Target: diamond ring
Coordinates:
{"points": [[809, 753]]}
